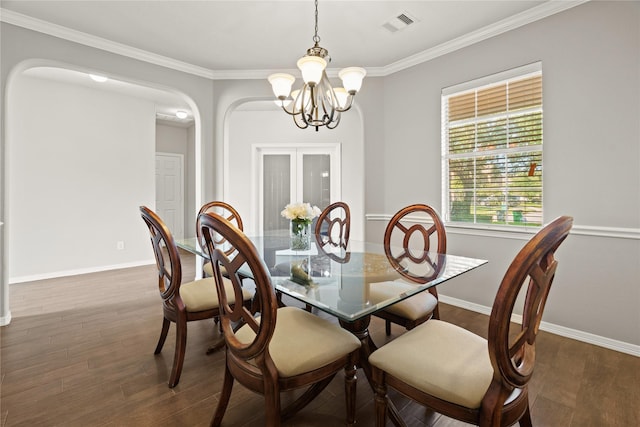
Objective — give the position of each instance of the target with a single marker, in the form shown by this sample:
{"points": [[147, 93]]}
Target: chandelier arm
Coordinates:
{"points": [[327, 99], [306, 116], [299, 122], [331, 112], [335, 122], [292, 112], [348, 106]]}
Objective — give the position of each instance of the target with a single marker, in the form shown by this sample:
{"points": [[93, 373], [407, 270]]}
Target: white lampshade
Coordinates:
{"points": [[352, 78], [181, 114], [341, 96], [312, 68], [281, 84]]}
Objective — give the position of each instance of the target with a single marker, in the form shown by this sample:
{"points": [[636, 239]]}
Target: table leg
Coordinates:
{"points": [[360, 328]]}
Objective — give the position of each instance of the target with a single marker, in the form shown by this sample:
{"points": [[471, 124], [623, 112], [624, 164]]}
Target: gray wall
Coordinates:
{"points": [[22, 49], [591, 81], [80, 162]]}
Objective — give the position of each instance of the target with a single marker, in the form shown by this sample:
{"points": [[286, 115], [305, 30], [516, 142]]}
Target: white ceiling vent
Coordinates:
{"points": [[400, 22]]}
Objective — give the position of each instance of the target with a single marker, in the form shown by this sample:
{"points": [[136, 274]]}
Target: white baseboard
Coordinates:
{"points": [[575, 334], [5, 320], [53, 275]]}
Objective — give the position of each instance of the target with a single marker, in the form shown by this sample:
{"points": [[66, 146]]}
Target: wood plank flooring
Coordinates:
{"points": [[79, 352]]}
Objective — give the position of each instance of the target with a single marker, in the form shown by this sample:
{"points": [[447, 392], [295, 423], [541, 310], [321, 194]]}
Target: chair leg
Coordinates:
{"points": [[525, 421], [272, 404], [436, 313], [178, 358], [163, 335], [350, 387], [279, 299], [387, 327], [380, 398], [225, 394]]}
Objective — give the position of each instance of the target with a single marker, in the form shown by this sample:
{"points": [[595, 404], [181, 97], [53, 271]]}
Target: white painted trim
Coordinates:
{"points": [[575, 334], [55, 274], [258, 152], [523, 233], [65, 33], [5, 320], [534, 14]]}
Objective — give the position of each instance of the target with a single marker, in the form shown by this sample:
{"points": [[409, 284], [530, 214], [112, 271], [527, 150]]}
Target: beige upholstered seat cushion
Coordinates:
{"points": [[303, 341], [202, 295], [440, 359], [207, 269], [412, 308]]}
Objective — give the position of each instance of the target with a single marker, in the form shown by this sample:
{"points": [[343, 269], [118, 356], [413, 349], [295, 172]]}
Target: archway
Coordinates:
{"points": [[75, 164]]}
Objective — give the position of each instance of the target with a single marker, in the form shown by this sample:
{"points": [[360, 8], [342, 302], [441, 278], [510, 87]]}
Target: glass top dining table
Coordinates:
{"points": [[353, 282]]}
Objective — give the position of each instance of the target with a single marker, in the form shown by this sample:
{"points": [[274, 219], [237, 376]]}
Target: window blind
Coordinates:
{"points": [[492, 152]]}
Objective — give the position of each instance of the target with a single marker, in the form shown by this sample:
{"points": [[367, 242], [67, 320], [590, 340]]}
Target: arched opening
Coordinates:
{"points": [[257, 122], [79, 160]]}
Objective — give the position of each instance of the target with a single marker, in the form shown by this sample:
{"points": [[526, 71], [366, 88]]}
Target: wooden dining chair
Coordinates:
{"points": [[230, 214], [333, 225], [464, 376], [331, 233], [406, 240], [283, 348], [181, 302]]}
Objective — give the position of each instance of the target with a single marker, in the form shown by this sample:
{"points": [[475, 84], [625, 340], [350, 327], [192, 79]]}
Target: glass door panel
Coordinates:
{"points": [[316, 181], [276, 190], [294, 174]]}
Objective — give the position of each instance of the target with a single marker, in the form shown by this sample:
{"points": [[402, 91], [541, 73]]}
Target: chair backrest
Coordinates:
{"points": [[226, 211], [416, 243], [333, 225], [212, 224], [512, 352], [167, 256]]}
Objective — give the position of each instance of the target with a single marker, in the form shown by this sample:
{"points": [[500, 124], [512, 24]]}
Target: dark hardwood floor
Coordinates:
{"points": [[79, 352]]}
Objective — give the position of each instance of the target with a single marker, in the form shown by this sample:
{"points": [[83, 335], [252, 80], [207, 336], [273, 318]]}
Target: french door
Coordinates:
{"points": [[291, 174]]}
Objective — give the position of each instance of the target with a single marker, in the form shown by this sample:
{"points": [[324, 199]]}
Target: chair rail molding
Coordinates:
{"points": [[522, 233]]}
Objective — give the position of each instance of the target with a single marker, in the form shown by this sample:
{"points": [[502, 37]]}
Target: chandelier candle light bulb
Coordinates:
{"points": [[301, 215]]}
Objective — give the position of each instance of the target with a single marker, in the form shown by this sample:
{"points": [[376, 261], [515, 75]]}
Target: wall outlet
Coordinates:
{"points": [[120, 245]]}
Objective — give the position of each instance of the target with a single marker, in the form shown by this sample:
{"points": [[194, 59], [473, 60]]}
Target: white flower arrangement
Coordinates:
{"points": [[301, 212]]}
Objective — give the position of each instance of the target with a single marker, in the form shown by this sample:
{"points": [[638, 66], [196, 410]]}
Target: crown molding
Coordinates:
{"points": [[65, 33], [534, 14]]}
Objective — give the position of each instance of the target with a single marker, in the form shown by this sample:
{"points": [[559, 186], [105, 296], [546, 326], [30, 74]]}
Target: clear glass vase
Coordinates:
{"points": [[300, 235]]}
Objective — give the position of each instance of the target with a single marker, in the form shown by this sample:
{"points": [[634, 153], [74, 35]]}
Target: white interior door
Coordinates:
{"points": [[169, 191], [291, 174]]}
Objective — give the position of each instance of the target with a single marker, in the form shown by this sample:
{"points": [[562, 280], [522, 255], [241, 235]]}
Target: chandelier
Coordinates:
{"points": [[317, 103]]}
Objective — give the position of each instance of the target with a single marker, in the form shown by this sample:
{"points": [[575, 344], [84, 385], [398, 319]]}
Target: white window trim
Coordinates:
{"points": [[477, 84]]}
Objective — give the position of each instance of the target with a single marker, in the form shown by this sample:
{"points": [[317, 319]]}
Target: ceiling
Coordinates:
{"points": [[219, 39]]}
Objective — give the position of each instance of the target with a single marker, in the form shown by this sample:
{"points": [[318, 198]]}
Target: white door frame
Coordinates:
{"points": [[258, 151]]}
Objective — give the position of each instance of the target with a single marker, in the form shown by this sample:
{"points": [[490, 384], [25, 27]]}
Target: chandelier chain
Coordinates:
{"points": [[316, 38]]}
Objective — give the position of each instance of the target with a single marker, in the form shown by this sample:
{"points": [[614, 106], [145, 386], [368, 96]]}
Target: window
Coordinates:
{"points": [[492, 149]]}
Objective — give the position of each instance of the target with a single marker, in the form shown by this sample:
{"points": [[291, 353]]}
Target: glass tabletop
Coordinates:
{"points": [[354, 282]]}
